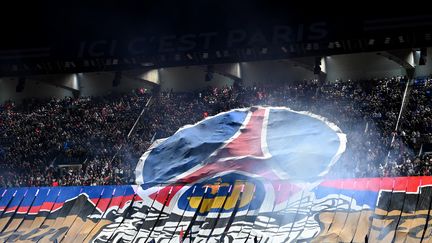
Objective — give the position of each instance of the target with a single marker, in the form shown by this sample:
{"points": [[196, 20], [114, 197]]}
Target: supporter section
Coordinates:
{"points": [[347, 210]]}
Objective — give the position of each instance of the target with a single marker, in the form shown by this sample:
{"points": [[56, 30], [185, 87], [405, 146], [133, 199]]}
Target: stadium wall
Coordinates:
{"points": [[37, 86], [361, 66], [89, 84], [101, 83], [425, 70], [190, 78], [273, 72], [352, 66]]}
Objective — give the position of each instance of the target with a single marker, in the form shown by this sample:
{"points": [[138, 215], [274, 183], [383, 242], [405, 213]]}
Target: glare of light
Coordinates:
{"points": [[387, 40], [75, 78]]}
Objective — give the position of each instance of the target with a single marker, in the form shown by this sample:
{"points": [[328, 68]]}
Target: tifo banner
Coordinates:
{"points": [[245, 210], [273, 143]]}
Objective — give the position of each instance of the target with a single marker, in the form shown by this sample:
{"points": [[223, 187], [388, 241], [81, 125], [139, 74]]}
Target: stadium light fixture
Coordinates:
{"points": [[387, 40], [147, 64]]}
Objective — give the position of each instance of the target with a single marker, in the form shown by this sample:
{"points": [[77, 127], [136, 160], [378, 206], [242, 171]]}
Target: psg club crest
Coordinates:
{"points": [[273, 143]]}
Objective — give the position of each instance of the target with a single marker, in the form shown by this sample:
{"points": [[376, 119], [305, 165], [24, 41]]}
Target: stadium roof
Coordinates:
{"points": [[64, 37]]}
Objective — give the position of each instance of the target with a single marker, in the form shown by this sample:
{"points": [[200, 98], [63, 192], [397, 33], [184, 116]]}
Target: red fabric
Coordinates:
{"points": [[181, 235]]}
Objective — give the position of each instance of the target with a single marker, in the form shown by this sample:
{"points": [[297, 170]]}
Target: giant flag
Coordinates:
{"points": [[273, 143]]}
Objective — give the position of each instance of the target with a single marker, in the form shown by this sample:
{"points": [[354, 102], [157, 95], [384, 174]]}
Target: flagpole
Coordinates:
{"points": [[139, 117], [147, 105]]}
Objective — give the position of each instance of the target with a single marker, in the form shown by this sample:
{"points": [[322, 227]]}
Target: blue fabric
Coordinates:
{"points": [[300, 145], [29, 197], [189, 147]]}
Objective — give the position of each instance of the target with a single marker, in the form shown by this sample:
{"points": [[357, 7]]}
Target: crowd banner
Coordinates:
{"points": [[344, 210]]}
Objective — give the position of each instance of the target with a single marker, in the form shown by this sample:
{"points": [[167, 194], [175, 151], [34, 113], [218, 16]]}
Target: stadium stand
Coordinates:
{"points": [[38, 135]]}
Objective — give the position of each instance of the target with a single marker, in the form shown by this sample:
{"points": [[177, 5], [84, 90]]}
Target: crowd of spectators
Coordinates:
{"points": [[84, 141], [40, 135]]}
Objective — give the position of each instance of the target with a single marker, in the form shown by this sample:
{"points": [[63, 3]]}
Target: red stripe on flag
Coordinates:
{"points": [[249, 141]]}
